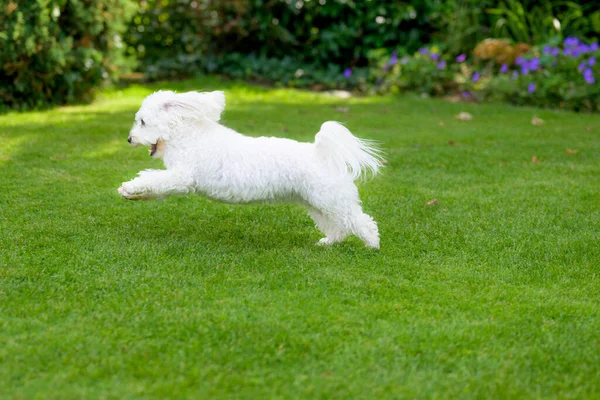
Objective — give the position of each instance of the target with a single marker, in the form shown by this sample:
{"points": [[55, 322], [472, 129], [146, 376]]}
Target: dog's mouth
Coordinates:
{"points": [[152, 149]]}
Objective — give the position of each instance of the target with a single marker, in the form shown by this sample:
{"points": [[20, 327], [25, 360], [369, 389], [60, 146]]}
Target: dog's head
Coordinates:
{"points": [[163, 111]]}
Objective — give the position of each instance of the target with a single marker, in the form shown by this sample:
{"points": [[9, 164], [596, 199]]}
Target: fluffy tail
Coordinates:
{"points": [[346, 153]]}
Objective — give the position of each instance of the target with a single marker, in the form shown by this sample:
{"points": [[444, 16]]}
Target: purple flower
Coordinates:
{"points": [[475, 77], [435, 56], [465, 94], [394, 58], [567, 52], [423, 51], [581, 67], [547, 50], [348, 72], [524, 69], [441, 64], [531, 88], [592, 61], [515, 74], [504, 68], [588, 76], [583, 48], [520, 61], [571, 41], [551, 51], [461, 58], [594, 46], [534, 64]]}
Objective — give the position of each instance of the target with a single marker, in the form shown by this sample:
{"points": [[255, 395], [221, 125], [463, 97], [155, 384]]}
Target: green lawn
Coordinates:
{"points": [[494, 292]]}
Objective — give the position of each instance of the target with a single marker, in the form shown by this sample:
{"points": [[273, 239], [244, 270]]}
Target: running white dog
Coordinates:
{"points": [[205, 157]]}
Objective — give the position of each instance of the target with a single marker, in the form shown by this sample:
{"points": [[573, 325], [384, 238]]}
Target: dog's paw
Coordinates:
{"points": [[121, 190], [126, 192], [325, 242]]}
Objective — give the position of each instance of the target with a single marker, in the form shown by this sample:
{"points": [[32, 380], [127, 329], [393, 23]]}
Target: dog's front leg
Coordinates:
{"points": [[155, 183]]}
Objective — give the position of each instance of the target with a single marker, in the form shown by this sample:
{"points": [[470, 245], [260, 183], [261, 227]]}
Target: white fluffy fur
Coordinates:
{"points": [[201, 156]]}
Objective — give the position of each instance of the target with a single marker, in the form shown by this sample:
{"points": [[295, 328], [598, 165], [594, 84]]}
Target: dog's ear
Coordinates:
{"points": [[207, 105]]}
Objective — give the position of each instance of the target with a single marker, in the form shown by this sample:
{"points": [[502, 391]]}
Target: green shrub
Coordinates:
{"points": [[427, 71], [556, 75], [288, 71], [552, 76], [464, 23], [172, 37], [321, 39], [59, 51]]}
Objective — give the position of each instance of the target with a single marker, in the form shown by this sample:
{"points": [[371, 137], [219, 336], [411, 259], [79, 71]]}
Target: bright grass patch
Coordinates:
{"points": [[492, 291]]}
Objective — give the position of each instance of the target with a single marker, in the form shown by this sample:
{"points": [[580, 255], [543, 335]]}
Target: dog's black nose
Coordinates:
{"points": [[129, 139]]}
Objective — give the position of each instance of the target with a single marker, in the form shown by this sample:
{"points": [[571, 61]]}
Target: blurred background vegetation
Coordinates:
{"points": [[61, 51]]}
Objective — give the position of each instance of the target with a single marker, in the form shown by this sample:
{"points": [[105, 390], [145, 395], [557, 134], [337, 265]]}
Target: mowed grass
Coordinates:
{"points": [[493, 292]]}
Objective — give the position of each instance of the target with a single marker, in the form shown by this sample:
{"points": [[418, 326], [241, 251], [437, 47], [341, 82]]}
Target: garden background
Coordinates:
{"points": [[487, 283], [526, 52]]}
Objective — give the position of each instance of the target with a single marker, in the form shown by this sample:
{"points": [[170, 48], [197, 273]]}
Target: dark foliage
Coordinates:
{"points": [[57, 52]]}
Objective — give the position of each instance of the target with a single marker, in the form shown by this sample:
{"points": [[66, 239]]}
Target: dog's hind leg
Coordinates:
{"points": [[156, 183], [338, 213], [333, 232], [365, 227], [353, 220]]}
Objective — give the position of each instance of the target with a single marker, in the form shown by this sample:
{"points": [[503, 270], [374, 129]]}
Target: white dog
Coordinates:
{"points": [[205, 157]]}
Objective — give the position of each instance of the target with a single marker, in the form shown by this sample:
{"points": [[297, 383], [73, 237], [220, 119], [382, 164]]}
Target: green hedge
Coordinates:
{"points": [[170, 37], [59, 51], [179, 37]]}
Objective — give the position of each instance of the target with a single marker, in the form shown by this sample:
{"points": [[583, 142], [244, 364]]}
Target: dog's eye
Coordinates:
{"points": [[143, 123]]}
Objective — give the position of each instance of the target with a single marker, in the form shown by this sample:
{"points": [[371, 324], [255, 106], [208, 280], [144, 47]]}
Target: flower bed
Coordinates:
{"points": [[557, 75]]}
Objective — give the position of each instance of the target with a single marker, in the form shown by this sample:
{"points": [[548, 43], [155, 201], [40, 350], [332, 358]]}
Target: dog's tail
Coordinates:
{"points": [[346, 153]]}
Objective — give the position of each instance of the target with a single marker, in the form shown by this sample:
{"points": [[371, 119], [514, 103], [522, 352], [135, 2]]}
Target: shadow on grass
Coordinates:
{"points": [[200, 225]]}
